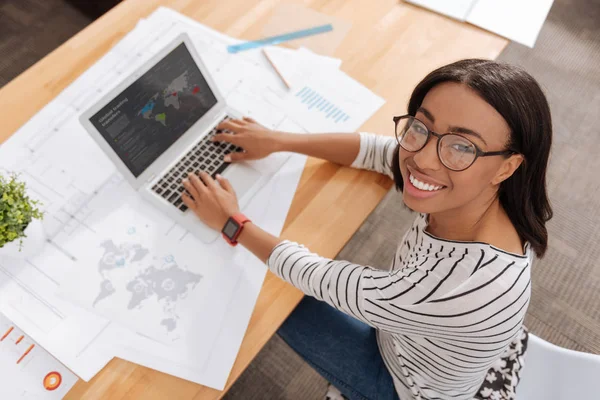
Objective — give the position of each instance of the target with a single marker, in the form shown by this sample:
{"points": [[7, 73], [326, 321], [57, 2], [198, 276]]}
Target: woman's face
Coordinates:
{"points": [[453, 107]]}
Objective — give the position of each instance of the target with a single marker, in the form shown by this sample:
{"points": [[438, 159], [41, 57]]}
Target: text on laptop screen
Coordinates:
{"points": [[144, 120]]}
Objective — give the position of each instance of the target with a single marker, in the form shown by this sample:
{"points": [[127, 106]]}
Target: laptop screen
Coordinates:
{"points": [[145, 119]]}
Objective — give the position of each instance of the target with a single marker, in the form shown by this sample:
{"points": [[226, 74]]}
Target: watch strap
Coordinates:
{"points": [[240, 219]]}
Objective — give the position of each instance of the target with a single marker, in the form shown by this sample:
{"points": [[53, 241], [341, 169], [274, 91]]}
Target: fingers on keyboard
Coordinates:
{"points": [[205, 156]]}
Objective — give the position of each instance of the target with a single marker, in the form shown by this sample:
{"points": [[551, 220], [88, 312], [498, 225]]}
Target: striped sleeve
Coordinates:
{"points": [[376, 153], [337, 283], [425, 298], [353, 289]]}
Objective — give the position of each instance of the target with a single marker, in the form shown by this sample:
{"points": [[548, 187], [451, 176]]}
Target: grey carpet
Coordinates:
{"points": [[565, 306]]}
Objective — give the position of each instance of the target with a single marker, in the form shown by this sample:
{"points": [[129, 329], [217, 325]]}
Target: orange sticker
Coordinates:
{"points": [[52, 381]]}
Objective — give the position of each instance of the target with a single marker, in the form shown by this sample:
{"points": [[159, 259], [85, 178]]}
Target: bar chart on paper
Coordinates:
{"points": [[320, 105], [313, 100]]}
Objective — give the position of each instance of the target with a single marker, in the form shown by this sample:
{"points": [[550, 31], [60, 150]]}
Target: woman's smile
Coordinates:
{"points": [[420, 185], [421, 188]]}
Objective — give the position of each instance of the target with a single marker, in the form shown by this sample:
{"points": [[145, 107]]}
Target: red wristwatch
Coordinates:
{"points": [[233, 227]]}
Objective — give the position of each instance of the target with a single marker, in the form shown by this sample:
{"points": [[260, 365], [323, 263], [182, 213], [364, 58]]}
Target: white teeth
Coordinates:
{"points": [[422, 185]]}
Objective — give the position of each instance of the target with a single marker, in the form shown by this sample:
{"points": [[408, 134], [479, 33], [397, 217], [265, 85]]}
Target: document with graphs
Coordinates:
{"points": [[27, 370]]}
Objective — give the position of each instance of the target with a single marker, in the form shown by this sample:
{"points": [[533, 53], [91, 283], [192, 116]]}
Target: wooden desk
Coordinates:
{"points": [[390, 47]]}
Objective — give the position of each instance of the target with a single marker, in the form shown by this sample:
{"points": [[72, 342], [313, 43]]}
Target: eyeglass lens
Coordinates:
{"points": [[455, 152]]}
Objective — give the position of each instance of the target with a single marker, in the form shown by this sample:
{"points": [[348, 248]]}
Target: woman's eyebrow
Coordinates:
{"points": [[426, 113], [466, 131], [454, 129]]}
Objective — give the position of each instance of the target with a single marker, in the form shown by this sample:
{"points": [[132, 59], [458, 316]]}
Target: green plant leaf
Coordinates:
{"points": [[17, 209]]}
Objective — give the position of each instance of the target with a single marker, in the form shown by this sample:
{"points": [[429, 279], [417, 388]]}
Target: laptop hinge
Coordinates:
{"points": [[151, 178]]}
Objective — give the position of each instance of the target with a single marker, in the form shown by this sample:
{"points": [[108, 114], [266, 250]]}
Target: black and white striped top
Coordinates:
{"points": [[445, 311]]}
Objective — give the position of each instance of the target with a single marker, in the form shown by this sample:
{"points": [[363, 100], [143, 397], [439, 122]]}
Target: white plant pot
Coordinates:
{"points": [[32, 243]]}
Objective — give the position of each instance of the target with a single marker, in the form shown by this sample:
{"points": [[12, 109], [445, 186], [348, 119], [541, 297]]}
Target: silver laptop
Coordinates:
{"points": [[156, 125]]}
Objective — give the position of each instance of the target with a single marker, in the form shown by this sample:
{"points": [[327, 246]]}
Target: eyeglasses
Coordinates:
{"points": [[455, 152]]}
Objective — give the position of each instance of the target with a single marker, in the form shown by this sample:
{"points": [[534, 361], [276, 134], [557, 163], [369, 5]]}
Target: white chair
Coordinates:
{"points": [[554, 373]]}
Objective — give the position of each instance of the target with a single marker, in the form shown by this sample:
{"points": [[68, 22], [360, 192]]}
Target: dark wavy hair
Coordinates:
{"points": [[519, 99]]}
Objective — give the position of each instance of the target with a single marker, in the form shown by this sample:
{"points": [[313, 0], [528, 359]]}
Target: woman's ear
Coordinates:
{"points": [[509, 166]]}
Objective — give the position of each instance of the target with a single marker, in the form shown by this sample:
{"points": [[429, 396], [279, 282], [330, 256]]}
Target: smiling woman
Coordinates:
{"points": [[481, 100], [445, 320]]}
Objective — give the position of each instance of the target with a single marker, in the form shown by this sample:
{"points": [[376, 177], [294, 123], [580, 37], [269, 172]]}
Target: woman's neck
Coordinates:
{"points": [[467, 223]]}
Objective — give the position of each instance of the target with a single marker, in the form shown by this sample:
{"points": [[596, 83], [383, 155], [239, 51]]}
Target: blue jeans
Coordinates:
{"points": [[340, 348]]}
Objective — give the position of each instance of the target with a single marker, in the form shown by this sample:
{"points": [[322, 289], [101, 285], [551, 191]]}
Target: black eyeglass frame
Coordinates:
{"points": [[478, 151]]}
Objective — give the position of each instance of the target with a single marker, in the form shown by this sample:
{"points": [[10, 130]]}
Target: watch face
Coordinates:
{"points": [[231, 227]]}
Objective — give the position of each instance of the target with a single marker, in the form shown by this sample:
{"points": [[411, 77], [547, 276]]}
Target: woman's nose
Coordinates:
{"points": [[427, 157]]}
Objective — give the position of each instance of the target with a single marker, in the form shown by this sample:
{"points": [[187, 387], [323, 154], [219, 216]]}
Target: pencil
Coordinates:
{"points": [[276, 69]]}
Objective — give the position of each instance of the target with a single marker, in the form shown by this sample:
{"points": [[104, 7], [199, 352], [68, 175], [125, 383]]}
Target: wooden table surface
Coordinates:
{"points": [[390, 47]]}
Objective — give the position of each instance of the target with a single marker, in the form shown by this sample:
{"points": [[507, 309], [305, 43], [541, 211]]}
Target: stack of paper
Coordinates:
{"points": [[94, 291], [517, 20]]}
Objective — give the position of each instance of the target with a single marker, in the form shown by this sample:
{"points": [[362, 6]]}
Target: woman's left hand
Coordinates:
{"points": [[213, 201]]}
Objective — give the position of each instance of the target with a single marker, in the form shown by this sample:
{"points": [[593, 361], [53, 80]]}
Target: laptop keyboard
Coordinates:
{"points": [[205, 156]]}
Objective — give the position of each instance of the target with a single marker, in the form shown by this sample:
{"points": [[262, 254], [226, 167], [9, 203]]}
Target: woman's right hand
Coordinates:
{"points": [[256, 140]]}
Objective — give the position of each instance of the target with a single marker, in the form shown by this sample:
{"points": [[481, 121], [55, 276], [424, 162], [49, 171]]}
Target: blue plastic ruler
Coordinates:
{"points": [[279, 38]]}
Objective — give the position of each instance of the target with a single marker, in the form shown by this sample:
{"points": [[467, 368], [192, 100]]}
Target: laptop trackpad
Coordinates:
{"points": [[242, 178]]}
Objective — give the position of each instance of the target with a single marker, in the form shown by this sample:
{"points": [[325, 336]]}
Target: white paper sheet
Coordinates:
{"points": [[27, 370], [297, 66], [129, 272], [457, 9], [325, 61], [517, 20], [329, 102], [244, 277]]}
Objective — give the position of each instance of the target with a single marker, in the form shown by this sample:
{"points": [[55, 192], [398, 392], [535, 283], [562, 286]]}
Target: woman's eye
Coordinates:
{"points": [[462, 148], [419, 129]]}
